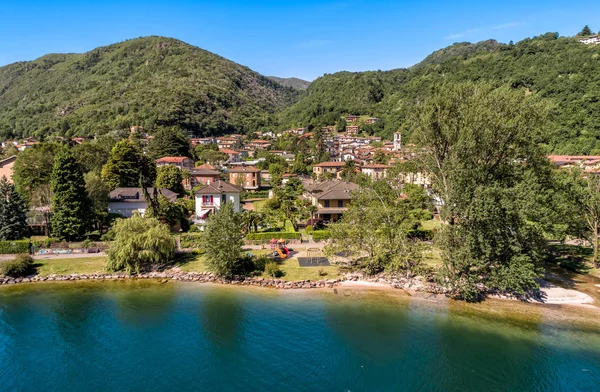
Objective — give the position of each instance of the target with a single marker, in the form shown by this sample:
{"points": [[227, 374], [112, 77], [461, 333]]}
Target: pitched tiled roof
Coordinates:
{"points": [[332, 190], [218, 187], [171, 159]]}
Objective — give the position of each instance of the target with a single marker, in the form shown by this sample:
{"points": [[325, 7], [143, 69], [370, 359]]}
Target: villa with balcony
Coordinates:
{"points": [[211, 197]]}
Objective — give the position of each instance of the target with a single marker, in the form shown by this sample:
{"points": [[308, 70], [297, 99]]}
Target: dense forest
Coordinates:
{"points": [[152, 81], [158, 81]]}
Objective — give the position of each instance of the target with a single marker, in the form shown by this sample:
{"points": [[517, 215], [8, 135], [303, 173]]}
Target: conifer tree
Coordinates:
{"points": [[13, 212], [71, 205]]}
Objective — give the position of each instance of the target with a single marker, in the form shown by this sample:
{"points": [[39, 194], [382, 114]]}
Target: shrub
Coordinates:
{"points": [[321, 235], [322, 272], [190, 240], [269, 236], [18, 267], [14, 247], [309, 229], [260, 263], [272, 269]]}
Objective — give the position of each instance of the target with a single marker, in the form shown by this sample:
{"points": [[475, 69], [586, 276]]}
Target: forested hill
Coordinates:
{"points": [[562, 70], [296, 83], [149, 81]]}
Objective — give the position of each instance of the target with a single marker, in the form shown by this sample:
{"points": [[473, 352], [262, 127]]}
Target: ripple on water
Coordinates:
{"points": [[143, 336]]}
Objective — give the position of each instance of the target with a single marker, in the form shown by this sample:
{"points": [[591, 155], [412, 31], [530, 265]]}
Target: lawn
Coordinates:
{"points": [[290, 267], [292, 271], [67, 266]]}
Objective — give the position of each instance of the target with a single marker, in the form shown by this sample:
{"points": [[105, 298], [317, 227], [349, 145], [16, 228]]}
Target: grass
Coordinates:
{"points": [[292, 271], [67, 266]]}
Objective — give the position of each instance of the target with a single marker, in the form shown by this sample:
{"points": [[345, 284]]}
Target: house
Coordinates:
{"points": [[591, 40], [203, 174], [179, 162], [127, 201], [6, 167], [376, 171], [371, 120], [327, 167], [228, 142], [259, 144], [584, 162], [352, 130], [331, 198], [234, 156], [211, 197], [352, 119], [248, 177], [416, 178], [196, 141]]}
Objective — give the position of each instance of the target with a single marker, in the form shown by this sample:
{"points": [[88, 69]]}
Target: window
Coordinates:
{"points": [[340, 203], [326, 203]]}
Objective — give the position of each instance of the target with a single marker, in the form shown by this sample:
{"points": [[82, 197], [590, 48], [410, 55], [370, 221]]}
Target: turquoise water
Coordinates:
{"points": [[147, 337]]}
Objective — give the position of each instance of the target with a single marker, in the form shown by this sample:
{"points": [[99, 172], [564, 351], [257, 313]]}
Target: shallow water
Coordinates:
{"points": [[180, 336]]}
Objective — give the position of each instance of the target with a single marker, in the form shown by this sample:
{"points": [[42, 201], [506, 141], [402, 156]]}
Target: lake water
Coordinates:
{"points": [[141, 336]]}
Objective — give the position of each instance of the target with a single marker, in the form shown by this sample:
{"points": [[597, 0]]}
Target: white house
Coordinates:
{"points": [[127, 201], [210, 199]]}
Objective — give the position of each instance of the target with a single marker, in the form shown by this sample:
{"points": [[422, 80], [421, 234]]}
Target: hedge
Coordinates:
{"points": [[14, 247], [270, 236], [320, 235], [191, 240]]}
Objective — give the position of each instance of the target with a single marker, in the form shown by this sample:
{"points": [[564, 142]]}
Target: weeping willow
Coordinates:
{"points": [[139, 242]]}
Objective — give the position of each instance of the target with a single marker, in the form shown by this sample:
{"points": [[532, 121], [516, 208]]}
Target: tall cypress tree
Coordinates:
{"points": [[13, 212], [71, 205]]}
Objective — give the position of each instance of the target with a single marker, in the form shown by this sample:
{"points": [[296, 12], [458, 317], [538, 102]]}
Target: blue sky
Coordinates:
{"points": [[286, 38]]}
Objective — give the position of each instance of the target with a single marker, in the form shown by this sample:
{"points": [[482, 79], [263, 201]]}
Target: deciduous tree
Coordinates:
{"points": [[222, 242], [139, 243]]}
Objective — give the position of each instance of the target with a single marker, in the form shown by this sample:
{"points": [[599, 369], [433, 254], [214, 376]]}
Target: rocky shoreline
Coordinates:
{"points": [[209, 277], [547, 295]]}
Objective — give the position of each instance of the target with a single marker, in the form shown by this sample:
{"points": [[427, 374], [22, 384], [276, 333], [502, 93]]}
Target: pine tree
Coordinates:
{"points": [[585, 31], [71, 205], [13, 212]]}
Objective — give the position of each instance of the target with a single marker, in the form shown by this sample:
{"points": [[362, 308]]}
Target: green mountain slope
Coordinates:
{"points": [[298, 84], [562, 70], [151, 81]]}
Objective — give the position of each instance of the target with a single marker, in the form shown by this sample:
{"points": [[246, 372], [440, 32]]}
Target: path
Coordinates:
{"points": [[58, 256]]}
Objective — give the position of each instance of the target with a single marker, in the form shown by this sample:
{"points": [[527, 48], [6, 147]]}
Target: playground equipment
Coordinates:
{"points": [[280, 249]]}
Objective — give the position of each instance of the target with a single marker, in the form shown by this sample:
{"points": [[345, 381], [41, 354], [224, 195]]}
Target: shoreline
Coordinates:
{"points": [[549, 294]]}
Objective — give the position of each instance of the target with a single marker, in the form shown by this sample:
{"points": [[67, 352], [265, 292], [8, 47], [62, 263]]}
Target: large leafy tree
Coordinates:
{"points": [[98, 194], [169, 142], [139, 244], [71, 205], [13, 212], [222, 242], [33, 168], [582, 191], [484, 159], [127, 166], [376, 231], [170, 177]]}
